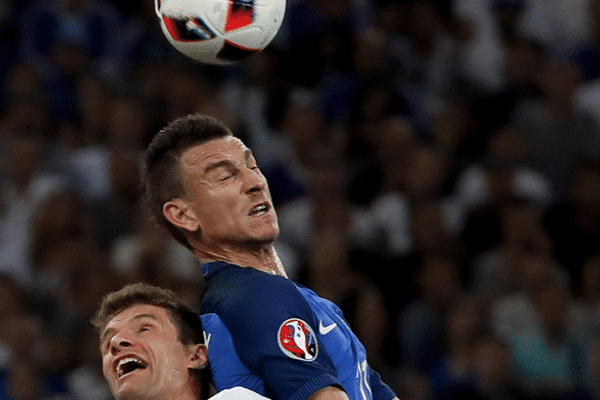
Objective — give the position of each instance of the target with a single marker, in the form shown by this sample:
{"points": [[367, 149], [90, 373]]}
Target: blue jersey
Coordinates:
{"points": [[280, 339]]}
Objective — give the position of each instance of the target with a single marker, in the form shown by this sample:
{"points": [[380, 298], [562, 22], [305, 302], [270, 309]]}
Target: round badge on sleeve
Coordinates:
{"points": [[297, 340]]}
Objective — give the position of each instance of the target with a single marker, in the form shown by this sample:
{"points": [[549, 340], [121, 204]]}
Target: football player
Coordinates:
{"points": [[263, 331], [152, 347]]}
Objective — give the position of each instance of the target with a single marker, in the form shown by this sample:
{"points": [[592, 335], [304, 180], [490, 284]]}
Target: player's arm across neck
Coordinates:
{"points": [[329, 393]]}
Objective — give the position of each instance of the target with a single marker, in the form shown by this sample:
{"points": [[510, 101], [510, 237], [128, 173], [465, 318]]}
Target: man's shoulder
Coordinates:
{"points": [[238, 393], [241, 286], [255, 300]]}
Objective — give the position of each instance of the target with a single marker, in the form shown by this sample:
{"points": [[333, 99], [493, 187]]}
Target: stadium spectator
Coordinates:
{"points": [[499, 96]]}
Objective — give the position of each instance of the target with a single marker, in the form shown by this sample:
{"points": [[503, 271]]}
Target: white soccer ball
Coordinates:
{"points": [[220, 31]]}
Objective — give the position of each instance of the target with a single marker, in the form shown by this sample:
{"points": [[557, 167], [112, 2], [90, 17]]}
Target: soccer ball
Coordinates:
{"points": [[220, 32]]}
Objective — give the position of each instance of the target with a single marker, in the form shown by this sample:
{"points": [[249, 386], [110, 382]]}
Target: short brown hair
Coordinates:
{"points": [[184, 318], [161, 174]]}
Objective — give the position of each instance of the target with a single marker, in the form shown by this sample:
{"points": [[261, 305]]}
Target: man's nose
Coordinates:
{"points": [[118, 343], [255, 181]]}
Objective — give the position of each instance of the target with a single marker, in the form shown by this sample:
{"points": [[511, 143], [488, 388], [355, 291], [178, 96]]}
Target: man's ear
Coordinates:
{"points": [[198, 357], [180, 214]]}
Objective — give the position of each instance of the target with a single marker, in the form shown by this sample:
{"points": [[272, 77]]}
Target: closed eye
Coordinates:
{"points": [[222, 173]]}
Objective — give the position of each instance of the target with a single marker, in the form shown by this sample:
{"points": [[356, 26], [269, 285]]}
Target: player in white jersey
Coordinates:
{"points": [[152, 347]]}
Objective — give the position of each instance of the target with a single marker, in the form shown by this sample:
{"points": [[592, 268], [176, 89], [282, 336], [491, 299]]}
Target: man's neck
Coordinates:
{"points": [[186, 393], [261, 257]]}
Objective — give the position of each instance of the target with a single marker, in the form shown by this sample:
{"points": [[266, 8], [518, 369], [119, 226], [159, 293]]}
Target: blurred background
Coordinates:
{"points": [[435, 165]]}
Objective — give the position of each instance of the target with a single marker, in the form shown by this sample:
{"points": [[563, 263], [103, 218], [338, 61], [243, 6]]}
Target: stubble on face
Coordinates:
{"points": [[228, 194]]}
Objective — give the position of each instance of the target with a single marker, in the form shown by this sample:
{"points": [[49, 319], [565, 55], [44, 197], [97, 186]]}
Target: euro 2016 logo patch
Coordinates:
{"points": [[297, 340]]}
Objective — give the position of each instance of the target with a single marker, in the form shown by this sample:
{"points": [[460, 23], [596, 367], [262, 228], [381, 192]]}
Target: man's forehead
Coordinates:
{"points": [[216, 149], [136, 312]]}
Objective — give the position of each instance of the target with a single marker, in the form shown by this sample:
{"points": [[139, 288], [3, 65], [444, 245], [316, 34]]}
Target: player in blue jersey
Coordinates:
{"points": [[263, 331], [152, 347]]}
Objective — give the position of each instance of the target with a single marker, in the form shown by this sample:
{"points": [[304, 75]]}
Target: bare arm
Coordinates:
{"points": [[329, 393], [332, 393]]}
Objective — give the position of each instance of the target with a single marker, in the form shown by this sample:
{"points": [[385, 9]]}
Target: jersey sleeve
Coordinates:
{"points": [[272, 327], [226, 369], [381, 391]]}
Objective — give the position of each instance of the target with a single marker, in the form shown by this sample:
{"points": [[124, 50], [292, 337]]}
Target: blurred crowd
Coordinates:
{"points": [[435, 165]]}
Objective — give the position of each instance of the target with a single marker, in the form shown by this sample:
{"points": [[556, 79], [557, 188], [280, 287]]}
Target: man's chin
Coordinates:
{"points": [[129, 392], [268, 238], [261, 242], [130, 395], [265, 235], [257, 241]]}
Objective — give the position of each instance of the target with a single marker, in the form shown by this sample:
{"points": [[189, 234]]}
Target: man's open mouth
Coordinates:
{"points": [[128, 365], [259, 209]]}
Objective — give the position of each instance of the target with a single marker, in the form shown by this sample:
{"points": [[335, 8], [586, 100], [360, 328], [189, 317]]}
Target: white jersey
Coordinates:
{"points": [[237, 393]]}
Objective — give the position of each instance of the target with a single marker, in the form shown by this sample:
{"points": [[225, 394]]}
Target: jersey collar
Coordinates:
{"points": [[210, 268]]}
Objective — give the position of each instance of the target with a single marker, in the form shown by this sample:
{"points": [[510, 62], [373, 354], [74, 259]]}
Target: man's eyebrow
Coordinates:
{"points": [[107, 331], [225, 163], [217, 164]]}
